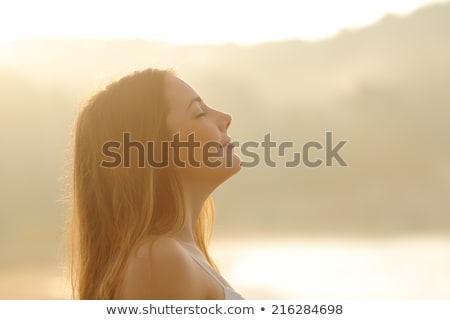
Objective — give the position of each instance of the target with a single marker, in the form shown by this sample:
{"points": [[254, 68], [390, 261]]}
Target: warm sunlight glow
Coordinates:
{"points": [[189, 22], [339, 269], [344, 186]]}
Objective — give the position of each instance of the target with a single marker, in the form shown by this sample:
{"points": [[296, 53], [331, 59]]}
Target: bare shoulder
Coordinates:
{"points": [[159, 268], [165, 251]]}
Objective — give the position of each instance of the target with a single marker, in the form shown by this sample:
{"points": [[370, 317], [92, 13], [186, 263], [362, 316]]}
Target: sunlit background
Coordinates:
{"points": [[375, 73]]}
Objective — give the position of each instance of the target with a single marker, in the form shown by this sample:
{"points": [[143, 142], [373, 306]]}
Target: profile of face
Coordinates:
{"points": [[191, 119]]}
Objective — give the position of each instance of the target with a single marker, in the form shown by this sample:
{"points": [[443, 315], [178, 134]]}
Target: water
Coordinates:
{"points": [[400, 268], [295, 268]]}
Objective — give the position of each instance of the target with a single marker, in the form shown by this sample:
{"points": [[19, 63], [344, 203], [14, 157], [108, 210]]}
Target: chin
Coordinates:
{"points": [[217, 176], [232, 168]]}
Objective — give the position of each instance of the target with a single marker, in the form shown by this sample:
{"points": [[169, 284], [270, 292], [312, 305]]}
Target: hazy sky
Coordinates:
{"points": [[193, 21]]}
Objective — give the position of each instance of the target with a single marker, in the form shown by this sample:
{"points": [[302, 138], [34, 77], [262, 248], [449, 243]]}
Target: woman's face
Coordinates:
{"points": [[201, 132]]}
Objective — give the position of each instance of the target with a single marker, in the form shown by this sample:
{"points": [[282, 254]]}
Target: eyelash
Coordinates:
{"points": [[200, 115]]}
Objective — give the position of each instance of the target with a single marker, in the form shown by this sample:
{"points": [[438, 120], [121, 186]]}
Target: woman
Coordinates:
{"points": [[140, 229]]}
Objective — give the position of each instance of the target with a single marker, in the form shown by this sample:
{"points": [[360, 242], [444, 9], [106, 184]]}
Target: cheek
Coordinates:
{"points": [[206, 133], [200, 132]]}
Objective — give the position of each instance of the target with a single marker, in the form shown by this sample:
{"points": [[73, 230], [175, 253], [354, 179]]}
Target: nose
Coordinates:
{"points": [[225, 120]]}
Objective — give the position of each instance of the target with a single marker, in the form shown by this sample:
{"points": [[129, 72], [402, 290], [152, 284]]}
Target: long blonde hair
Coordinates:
{"points": [[114, 208]]}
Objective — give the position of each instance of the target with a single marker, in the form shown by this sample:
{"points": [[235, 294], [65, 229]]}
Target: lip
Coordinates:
{"points": [[226, 143]]}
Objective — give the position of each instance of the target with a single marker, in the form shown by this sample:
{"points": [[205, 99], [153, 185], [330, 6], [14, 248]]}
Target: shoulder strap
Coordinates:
{"points": [[208, 270]]}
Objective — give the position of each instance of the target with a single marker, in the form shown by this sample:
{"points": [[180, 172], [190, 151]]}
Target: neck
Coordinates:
{"points": [[195, 195]]}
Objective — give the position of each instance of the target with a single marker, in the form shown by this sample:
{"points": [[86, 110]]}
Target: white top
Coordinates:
{"points": [[228, 291]]}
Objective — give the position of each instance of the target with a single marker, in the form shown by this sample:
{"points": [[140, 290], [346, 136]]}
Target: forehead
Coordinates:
{"points": [[178, 93]]}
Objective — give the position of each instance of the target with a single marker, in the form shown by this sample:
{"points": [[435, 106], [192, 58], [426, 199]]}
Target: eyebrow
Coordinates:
{"points": [[195, 99]]}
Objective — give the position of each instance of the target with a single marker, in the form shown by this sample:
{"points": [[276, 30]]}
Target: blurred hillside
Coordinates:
{"points": [[384, 88]]}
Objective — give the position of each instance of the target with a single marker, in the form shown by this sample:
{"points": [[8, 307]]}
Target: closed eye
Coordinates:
{"points": [[200, 115]]}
